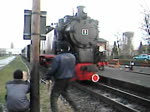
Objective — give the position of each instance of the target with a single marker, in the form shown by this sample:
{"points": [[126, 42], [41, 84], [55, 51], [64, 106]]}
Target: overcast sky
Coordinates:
{"points": [[114, 16]]}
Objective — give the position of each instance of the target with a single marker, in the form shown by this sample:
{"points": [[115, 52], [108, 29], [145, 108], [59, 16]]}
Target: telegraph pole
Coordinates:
{"points": [[35, 40]]}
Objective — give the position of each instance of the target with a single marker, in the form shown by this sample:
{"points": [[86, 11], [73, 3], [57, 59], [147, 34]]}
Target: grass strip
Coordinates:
{"points": [[3, 57], [7, 74]]}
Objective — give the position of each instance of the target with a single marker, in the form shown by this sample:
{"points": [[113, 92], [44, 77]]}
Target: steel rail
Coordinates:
{"points": [[133, 97], [113, 102]]}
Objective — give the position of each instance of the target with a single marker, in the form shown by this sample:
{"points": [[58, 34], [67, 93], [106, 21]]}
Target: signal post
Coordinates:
{"points": [[35, 40]]}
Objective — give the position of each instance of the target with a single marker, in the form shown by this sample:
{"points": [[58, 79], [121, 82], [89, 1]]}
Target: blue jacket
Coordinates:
{"points": [[63, 66], [16, 98]]}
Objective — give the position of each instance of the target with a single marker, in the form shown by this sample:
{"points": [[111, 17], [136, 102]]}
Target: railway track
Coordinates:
{"points": [[118, 99], [114, 98], [99, 97]]}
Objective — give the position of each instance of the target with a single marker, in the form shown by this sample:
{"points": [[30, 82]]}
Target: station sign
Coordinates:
{"points": [[27, 25]]}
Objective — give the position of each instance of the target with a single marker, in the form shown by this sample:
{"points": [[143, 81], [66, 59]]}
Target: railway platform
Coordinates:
{"points": [[139, 75]]}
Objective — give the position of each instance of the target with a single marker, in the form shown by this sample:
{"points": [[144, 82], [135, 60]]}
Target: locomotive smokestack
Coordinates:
{"points": [[81, 13]]}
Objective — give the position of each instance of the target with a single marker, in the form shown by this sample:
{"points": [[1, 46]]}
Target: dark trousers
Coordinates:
{"points": [[131, 67], [59, 88]]}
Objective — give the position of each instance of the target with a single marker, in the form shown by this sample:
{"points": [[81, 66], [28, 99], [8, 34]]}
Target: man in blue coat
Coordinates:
{"points": [[62, 70]]}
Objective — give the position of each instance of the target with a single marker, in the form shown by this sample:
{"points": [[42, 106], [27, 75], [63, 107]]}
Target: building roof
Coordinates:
{"points": [[101, 40]]}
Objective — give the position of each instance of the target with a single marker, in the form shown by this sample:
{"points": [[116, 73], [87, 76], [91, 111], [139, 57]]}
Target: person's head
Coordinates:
{"points": [[18, 74]]}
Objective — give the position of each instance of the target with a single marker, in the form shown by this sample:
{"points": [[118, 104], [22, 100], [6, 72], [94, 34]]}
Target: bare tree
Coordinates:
{"points": [[146, 25], [115, 52], [147, 22], [141, 48], [146, 28]]}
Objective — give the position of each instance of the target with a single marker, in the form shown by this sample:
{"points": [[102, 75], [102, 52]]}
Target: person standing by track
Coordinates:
{"points": [[62, 70], [131, 65]]}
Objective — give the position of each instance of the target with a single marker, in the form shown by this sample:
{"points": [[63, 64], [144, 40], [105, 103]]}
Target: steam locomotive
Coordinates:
{"points": [[80, 33]]}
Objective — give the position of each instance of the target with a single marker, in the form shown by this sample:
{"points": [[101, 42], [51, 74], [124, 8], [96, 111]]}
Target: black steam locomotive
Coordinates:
{"points": [[80, 33]]}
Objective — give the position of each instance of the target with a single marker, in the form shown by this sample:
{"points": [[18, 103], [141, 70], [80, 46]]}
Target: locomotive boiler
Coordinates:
{"points": [[80, 33]]}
